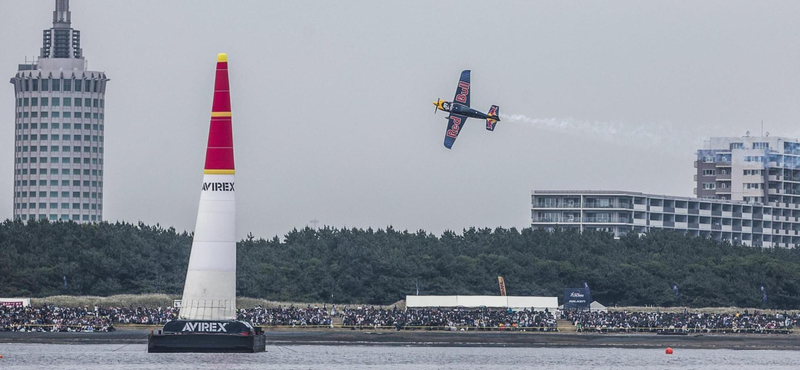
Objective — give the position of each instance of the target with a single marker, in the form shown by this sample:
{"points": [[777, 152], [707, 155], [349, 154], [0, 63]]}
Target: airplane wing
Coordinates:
{"points": [[462, 91], [454, 124]]}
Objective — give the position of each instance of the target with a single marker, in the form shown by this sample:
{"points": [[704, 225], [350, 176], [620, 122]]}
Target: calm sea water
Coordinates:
{"points": [[117, 357]]}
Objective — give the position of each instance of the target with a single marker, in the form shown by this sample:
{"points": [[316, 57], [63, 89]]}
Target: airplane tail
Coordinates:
{"points": [[494, 112]]}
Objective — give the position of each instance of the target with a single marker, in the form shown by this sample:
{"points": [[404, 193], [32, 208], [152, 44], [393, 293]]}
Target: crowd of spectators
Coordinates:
{"points": [[78, 319], [100, 319], [309, 316], [449, 319], [51, 318], [684, 322]]}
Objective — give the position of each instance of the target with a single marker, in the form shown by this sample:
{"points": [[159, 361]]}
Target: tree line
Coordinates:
{"points": [[383, 266]]}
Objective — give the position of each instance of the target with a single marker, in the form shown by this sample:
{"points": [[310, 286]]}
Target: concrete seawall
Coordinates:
{"points": [[450, 339]]}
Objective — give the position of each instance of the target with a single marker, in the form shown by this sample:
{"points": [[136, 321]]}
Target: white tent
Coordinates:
{"points": [[474, 301], [597, 307]]}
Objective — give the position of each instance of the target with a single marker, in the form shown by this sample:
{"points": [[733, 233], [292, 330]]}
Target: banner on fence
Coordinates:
{"points": [[15, 302]]}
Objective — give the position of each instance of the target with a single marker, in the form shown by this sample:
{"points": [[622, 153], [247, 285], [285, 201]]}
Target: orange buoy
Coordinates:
{"points": [[668, 351]]}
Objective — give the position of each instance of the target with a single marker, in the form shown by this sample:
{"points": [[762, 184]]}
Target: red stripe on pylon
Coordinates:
{"points": [[219, 153]]}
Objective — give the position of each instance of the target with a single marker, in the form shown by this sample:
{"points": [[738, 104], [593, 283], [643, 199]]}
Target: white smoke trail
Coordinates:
{"points": [[645, 135]]}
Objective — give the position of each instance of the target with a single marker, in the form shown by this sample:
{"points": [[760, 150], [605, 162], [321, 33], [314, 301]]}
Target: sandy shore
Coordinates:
{"points": [[450, 339]]}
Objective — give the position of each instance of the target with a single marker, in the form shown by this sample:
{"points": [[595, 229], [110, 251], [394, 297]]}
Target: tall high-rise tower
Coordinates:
{"points": [[760, 169], [59, 125]]}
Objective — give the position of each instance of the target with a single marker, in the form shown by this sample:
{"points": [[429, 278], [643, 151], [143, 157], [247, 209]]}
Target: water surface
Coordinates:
{"points": [[134, 356]]}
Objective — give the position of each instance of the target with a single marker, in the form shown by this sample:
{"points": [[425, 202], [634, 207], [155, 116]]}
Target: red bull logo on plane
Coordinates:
{"points": [[462, 95], [453, 131]]}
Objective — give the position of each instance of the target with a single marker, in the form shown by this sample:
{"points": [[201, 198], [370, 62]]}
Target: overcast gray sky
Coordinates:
{"points": [[332, 101]]}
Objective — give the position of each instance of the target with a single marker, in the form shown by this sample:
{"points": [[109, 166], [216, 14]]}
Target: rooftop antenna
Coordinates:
{"points": [[762, 127]]}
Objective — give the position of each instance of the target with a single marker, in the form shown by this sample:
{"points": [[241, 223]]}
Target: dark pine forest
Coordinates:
{"points": [[382, 266]]}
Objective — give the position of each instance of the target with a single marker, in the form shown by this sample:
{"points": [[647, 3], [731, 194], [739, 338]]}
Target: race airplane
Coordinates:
{"points": [[459, 111]]}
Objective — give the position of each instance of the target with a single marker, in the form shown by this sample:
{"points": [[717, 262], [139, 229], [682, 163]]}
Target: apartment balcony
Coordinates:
{"points": [[640, 221], [557, 220], [607, 220], [723, 190], [608, 205], [723, 177], [774, 191], [557, 205]]}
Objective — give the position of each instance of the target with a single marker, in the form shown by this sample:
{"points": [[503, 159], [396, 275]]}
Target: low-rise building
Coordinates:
{"points": [[621, 212]]}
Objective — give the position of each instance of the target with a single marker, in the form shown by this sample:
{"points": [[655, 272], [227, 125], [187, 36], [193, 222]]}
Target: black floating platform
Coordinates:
{"points": [[207, 336]]}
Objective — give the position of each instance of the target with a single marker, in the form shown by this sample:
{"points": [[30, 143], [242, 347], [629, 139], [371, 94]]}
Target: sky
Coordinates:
{"points": [[332, 109]]}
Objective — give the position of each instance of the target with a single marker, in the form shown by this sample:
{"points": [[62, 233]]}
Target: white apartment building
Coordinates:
{"points": [[621, 212]]}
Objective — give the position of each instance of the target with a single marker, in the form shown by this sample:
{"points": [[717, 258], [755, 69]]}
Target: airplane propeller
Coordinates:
{"points": [[436, 108]]}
